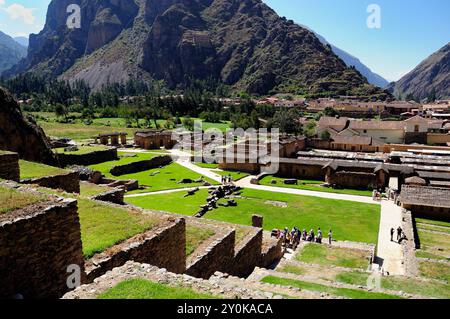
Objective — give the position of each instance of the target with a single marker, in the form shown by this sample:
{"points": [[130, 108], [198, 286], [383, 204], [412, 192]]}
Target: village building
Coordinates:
{"points": [[113, 139], [426, 201], [154, 139]]}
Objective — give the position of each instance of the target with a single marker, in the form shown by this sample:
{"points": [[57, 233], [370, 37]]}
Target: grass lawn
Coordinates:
{"points": [[433, 245], [334, 256], [37, 170], [343, 292], [435, 270], [167, 178], [106, 167], [234, 175], [195, 236], [80, 131], [103, 226], [349, 220], [144, 289], [207, 165], [90, 189], [81, 150], [312, 185], [11, 200], [432, 222]]}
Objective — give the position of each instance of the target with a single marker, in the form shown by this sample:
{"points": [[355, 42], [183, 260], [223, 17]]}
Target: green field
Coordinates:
{"points": [[312, 185], [349, 220], [11, 200], [37, 170], [167, 178], [195, 236], [89, 189], [81, 150], [144, 289], [103, 226], [434, 238], [105, 167], [334, 256], [342, 292]]}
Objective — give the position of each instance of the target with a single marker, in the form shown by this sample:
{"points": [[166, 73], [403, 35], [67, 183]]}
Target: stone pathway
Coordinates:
{"points": [[390, 254]]}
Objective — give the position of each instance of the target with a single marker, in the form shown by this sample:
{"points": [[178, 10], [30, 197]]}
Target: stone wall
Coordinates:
{"points": [[68, 182], [247, 255], [36, 247], [272, 252], [359, 180], [114, 196], [219, 253], [301, 171], [92, 158], [9, 166], [164, 247], [129, 185], [409, 248], [141, 166]]}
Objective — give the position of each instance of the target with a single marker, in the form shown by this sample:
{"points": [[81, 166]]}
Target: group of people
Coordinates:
{"points": [[292, 238], [400, 234], [227, 179]]}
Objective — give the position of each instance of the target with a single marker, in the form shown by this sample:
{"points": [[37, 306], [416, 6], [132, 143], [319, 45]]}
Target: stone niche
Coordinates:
{"points": [[9, 166], [37, 245]]}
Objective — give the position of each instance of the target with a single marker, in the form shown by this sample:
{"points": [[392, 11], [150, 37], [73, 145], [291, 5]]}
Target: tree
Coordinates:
{"points": [[325, 135], [329, 111], [287, 121], [61, 111], [188, 123]]}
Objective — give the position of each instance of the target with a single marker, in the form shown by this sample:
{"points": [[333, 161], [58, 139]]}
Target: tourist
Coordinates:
{"points": [[304, 235], [399, 233], [319, 236], [312, 236], [392, 233], [330, 237]]}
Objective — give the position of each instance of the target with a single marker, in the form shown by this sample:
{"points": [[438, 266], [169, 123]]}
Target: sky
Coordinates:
{"points": [[410, 30]]}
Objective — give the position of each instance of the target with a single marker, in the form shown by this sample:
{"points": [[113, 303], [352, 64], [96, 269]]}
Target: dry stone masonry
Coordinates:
{"points": [[9, 166]]}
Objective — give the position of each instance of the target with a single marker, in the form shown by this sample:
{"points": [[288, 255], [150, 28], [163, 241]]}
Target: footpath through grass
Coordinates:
{"points": [[145, 289], [342, 292], [312, 185], [195, 236], [349, 220]]}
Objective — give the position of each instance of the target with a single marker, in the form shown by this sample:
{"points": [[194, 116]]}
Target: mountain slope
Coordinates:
{"points": [[11, 52], [430, 76], [351, 60], [242, 43], [23, 41]]}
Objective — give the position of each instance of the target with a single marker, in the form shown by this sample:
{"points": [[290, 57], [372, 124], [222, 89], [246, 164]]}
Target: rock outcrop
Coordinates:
{"points": [[243, 44], [22, 135]]}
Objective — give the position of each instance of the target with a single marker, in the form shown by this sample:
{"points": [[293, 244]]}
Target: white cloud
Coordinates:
{"points": [[17, 11]]}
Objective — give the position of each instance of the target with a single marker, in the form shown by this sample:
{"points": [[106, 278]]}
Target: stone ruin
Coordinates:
{"points": [[215, 194], [21, 134]]}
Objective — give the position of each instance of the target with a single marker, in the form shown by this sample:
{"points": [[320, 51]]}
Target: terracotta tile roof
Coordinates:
{"points": [[327, 121], [357, 140], [376, 125]]}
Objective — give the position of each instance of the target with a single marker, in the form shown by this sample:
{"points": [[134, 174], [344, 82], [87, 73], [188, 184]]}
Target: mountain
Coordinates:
{"points": [[432, 76], [23, 41], [242, 43], [351, 60], [11, 52]]}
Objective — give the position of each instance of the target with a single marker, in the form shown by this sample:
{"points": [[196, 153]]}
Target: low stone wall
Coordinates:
{"points": [[359, 180], [37, 244], [272, 252], [92, 158], [129, 185], [409, 248], [219, 253], [67, 182], [114, 196], [163, 247], [247, 255], [141, 166], [9, 166]]}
